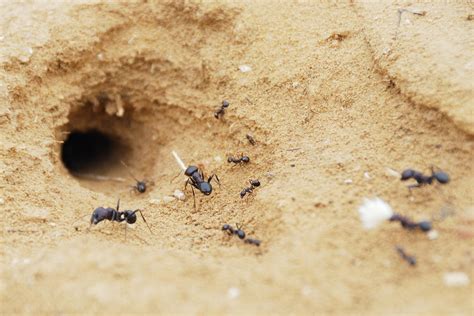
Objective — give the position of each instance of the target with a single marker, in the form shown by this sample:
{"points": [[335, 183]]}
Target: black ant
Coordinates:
{"points": [[231, 231], [196, 179], [241, 159], [421, 179], [407, 223], [253, 185], [251, 241], [221, 110], [410, 259], [140, 186], [240, 233], [251, 139], [111, 214]]}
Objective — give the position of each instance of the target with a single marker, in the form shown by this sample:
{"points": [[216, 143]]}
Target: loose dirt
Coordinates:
{"points": [[337, 97]]}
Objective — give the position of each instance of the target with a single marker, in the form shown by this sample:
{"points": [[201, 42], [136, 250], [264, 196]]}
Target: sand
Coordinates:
{"points": [[339, 98]]}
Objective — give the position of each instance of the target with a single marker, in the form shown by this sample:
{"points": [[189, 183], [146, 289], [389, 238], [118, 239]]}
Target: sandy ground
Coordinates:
{"points": [[336, 97]]}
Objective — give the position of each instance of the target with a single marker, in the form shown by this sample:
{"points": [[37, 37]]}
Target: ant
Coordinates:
{"points": [[407, 223], [221, 110], [240, 233], [196, 179], [251, 241], [111, 214], [253, 185], [421, 179], [236, 160], [231, 231], [410, 259], [140, 186], [251, 139]]}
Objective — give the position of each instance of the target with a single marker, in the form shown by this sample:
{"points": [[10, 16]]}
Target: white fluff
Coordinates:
{"points": [[373, 212]]}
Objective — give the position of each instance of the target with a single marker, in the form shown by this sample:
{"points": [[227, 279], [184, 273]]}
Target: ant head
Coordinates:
{"points": [[130, 216], [141, 186], [245, 159], [255, 183], [205, 188], [225, 103], [99, 215], [226, 227], [407, 174], [229, 159], [190, 170], [441, 177]]}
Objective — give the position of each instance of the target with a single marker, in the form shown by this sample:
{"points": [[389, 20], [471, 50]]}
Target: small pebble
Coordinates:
{"points": [[179, 195], [218, 159], [433, 234], [2, 201], [392, 173], [348, 181], [455, 279], [233, 293], [367, 175], [245, 68]]}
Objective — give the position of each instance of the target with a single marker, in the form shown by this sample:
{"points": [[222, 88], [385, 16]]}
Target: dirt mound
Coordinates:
{"points": [[332, 117]]}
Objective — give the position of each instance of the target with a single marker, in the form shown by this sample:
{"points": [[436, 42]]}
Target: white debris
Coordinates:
{"points": [[2, 201], [367, 175], [348, 181], [392, 173], [218, 159], [36, 213], [433, 234], [179, 161], [179, 195], [100, 56], [373, 212], [454, 279], [167, 199], [233, 293], [245, 68]]}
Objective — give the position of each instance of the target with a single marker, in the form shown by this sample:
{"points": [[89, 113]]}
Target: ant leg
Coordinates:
{"points": [[194, 198], [118, 205], [143, 217], [217, 179], [175, 177]]}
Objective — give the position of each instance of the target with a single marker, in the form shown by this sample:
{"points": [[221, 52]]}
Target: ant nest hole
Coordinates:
{"points": [[101, 133]]}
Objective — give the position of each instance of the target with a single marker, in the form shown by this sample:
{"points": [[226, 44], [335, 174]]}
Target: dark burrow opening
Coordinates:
{"points": [[90, 151]]}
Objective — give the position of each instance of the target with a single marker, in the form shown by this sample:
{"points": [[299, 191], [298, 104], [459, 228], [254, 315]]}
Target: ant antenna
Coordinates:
{"points": [[143, 217], [178, 160], [129, 171]]}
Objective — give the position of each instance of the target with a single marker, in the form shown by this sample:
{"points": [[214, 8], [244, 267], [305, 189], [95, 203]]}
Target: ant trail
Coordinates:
{"points": [[178, 160]]}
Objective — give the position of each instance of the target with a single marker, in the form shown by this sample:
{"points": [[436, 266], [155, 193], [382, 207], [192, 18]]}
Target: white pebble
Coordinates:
{"points": [[218, 159], [245, 68], [233, 293], [2, 201], [367, 175], [100, 56], [348, 181], [453, 279], [179, 195], [433, 234], [392, 173]]}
